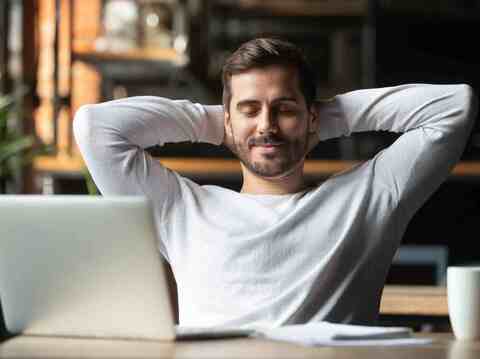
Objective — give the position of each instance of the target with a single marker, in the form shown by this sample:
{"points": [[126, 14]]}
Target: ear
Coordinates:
{"points": [[228, 135], [313, 119], [226, 123]]}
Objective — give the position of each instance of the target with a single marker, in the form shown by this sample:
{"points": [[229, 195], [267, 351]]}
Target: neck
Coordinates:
{"points": [[292, 182]]}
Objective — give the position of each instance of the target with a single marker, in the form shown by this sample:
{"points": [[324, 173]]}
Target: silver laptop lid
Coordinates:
{"points": [[82, 266]]}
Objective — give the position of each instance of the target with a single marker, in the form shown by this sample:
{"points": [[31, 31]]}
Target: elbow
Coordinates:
{"points": [[83, 126], [468, 101]]}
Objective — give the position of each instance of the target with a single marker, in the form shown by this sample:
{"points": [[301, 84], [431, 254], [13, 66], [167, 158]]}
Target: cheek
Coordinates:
{"points": [[241, 130], [293, 128]]}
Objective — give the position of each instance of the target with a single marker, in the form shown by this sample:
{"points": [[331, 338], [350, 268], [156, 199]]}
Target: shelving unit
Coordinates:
{"points": [[134, 65], [148, 67]]}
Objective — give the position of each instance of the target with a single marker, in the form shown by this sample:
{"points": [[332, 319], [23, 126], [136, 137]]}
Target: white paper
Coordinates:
{"points": [[374, 343], [332, 334]]}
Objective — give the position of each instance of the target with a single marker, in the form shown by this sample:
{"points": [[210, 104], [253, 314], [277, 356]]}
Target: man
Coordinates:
{"points": [[279, 252]]}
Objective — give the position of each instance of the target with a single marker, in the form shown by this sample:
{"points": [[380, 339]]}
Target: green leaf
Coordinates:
{"points": [[91, 187], [15, 147], [6, 102], [29, 156], [3, 120]]}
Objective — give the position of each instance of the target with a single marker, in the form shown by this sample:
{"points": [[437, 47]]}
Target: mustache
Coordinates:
{"points": [[265, 140]]}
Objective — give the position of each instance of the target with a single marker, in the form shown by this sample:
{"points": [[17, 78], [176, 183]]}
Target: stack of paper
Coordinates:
{"points": [[332, 334]]}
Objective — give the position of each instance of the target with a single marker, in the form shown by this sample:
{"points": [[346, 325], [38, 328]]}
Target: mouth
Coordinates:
{"points": [[267, 144], [269, 148]]}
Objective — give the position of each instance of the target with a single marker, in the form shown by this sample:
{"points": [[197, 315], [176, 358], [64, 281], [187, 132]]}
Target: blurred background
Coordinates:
{"points": [[56, 55]]}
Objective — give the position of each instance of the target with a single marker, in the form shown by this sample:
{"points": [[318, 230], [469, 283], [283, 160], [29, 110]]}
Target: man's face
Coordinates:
{"points": [[268, 120]]}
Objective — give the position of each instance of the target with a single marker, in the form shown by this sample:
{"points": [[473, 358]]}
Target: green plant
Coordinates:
{"points": [[91, 187], [16, 149]]}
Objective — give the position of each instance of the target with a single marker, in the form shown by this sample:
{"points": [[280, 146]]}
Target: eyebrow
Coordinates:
{"points": [[245, 103], [285, 99], [250, 102]]}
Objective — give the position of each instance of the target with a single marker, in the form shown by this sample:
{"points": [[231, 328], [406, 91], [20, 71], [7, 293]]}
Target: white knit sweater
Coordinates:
{"points": [[322, 254]]}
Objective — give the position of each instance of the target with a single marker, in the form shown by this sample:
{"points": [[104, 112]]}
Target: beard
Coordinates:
{"points": [[289, 156]]}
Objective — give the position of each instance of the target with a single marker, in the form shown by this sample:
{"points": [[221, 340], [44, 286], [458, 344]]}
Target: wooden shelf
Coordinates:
{"points": [[414, 300], [62, 164], [467, 169], [203, 167], [307, 7], [140, 54], [226, 168]]}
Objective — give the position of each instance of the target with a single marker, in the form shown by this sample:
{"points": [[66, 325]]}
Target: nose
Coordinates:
{"points": [[266, 122]]}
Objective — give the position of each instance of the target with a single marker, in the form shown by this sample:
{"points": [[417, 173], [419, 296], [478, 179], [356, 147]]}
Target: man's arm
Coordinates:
{"points": [[435, 121], [112, 137]]}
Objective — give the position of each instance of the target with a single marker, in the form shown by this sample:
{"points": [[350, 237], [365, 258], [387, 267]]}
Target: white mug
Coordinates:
{"points": [[463, 292]]}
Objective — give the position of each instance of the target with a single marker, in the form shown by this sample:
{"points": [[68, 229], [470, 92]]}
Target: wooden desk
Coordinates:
{"points": [[444, 346]]}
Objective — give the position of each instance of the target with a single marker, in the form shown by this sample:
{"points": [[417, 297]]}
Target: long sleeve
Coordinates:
{"points": [[435, 121], [112, 137]]}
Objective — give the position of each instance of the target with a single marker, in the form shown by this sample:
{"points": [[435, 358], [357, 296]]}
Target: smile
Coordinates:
{"points": [[268, 144], [269, 147]]}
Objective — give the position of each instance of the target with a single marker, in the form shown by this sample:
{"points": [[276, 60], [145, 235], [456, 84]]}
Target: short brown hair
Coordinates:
{"points": [[264, 52]]}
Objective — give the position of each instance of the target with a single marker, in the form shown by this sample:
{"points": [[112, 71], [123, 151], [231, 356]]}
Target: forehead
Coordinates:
{"points": [[266, 83]]}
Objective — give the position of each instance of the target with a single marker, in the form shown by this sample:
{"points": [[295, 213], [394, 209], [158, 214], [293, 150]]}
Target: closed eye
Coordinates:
{"points": [[287, 109], [249, 111]]}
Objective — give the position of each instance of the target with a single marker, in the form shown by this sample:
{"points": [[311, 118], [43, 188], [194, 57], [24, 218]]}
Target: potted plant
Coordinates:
{"points": [[16, 149]]}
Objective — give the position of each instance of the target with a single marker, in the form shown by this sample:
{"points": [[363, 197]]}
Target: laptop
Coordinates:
{"points": [[86, 266]]}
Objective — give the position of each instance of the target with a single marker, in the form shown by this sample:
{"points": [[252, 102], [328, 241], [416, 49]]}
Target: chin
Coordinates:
{"points": [[284, 174], [275, 173]]}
